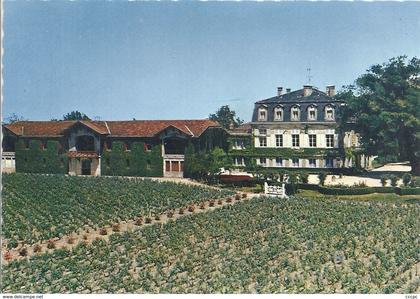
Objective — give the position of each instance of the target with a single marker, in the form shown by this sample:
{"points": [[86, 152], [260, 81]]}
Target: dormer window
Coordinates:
{"points": [[262, 114], [329, 113], [278, 114], [312, 112], [295, 113]]}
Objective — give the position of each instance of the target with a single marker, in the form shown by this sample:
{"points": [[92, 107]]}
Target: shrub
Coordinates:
{"points": [[170, 214], [406, 178], [116, 227], [244, 195], [37, 248], [157, 217], [7, 255], [70, 240], [383, 180], [211, 203], [237, 196], [138, 221], [229, 199], [202, 205], [304, 177], [322, 176], [12, 244], [50, 244], [191, 208], [148, 220], [414, 183], [220, 202], [291, 188], [360, 184], [102, 231], [394, 180], [181, 211], [23, 251]]}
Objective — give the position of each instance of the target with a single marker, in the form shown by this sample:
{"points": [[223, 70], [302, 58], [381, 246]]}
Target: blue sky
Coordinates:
{"points": [[175, 60]]}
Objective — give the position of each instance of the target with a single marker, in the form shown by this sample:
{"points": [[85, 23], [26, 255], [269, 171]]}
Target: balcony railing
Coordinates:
{"points": [[173, 157]]}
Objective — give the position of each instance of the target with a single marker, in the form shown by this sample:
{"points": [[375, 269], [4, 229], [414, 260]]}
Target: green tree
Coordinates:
{"points": [[217, 160], [394, 180], [383, 180], [322, 176], [406, 178], [226, 117], [75, 115], [12, 118], [384, 107]]}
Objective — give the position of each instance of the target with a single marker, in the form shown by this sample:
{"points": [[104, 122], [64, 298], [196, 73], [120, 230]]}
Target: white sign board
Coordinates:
{"points": [[278, 191]]}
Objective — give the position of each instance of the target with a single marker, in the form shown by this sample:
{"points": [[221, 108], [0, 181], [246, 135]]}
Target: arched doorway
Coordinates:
{"points": [[86, 167]]}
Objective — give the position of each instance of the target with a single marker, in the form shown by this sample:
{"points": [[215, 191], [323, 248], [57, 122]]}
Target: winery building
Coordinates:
{"points": [[134, 148]]}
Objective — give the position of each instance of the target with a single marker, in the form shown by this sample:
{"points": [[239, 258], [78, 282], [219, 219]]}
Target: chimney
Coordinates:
{"points": [[288, 90], [307, 90], [330, 90], [279, 90]]}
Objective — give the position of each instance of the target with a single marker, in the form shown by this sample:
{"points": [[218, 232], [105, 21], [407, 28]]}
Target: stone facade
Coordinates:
{"points": [[298, 129]]}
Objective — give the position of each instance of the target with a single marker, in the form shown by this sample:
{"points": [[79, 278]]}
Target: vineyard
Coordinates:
{"points": [[260, 245], [39, 207]]}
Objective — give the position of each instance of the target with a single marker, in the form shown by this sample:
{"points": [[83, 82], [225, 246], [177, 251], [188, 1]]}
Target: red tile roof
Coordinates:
{"points": [[40, 128], [97, 126], [132, 128], [149, 128], [242, 129]]}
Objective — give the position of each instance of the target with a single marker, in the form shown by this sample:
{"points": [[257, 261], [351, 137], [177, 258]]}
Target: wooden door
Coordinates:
{"points": [[175, 166]]}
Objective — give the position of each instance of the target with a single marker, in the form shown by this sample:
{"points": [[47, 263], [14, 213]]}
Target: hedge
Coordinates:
{"points": [[355, 190], [407, 191], [359, 190], [35, 159], [136, 162]]}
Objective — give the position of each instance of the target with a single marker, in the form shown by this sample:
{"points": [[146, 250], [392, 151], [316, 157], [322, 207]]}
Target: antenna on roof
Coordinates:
{"points": [[309, 76]]}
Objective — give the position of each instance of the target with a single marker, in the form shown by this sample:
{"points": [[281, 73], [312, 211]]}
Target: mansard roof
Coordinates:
{"points": [[132, 128], [298, 97]]}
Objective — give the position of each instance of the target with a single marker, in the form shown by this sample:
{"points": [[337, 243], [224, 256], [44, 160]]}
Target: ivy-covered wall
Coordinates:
{"points": [[212, 138], [246, 140], [287, 153], [35, 159], [136, 162]]}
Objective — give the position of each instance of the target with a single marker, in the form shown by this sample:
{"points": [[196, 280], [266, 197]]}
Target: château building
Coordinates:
{"points": [[296, 129]]}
